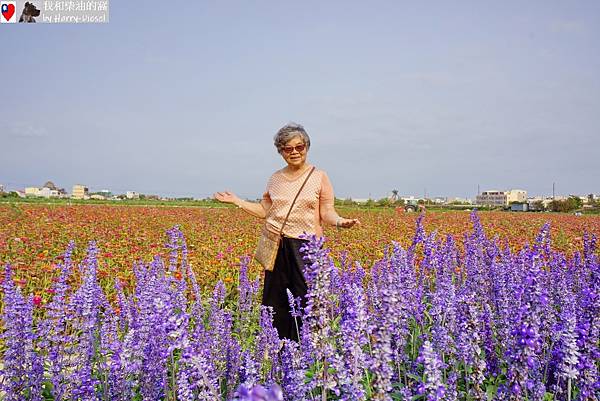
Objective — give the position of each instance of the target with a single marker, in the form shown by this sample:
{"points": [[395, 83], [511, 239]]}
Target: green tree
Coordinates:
{"points": [[567, 205], [384, 202]]}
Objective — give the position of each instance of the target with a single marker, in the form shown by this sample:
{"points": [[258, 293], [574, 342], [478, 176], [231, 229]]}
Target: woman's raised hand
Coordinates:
{"points": [[227, 197], [347, 223]]}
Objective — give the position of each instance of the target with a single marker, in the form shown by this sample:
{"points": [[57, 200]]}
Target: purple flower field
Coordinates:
{"points": [[424, 323]]}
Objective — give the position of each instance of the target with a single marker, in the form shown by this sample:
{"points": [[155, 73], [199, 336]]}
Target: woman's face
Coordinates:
{"points": [[293, 153]]}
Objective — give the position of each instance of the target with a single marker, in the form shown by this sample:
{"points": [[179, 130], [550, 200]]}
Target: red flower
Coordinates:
{"points": [[37, 300]]}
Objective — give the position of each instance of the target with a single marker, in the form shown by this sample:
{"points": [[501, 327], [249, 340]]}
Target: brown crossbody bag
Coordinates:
{"points": [[268, 243]]}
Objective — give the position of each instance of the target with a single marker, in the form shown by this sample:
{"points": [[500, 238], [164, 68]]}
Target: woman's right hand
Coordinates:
{"points": [[227, 197]]}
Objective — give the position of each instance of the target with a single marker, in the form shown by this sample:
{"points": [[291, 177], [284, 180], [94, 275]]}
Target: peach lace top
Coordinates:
{"points": [[305, 215]]}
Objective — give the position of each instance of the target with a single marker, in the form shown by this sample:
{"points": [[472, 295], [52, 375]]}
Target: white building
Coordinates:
{"points": [[1, 188], [32, 191], [48, 193], [492, 198], [501, 198], [132, 195], [516, 195], [80, 192], [453, 199]]}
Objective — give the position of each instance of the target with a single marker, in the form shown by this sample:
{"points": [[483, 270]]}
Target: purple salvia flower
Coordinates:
{"points": [[399, 296], [443, 301], [195, 376], [318, 318], [420, 234], [451, 387], [113, 383], [232, 372], [489, 342], [567, 369], [131, 358], [588, 324], [295, 309], [526, 342], [20, 370], [354, 331], [54, 328], [259, 393], [543, 241], [158, 346], [293, 371], [185, 389], [85, 305], [204, 383], [468, 343], [219, 332], [434, 386], [249, 369], [126, 309], [267, 345], [379, 365], [173, 244]]}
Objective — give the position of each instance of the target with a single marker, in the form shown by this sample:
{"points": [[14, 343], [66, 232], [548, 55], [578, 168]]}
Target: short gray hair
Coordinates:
{"points": [[289, 132]]}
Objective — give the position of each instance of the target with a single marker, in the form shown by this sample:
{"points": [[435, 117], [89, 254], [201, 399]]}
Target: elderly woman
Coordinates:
{"points": [[313, 207]]}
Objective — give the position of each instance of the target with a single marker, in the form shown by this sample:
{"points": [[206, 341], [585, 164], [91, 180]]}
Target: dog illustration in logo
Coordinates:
{"points": [[29, 12]]}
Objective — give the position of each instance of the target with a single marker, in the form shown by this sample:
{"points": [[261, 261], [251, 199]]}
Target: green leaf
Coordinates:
{"points": [[491, 390]]}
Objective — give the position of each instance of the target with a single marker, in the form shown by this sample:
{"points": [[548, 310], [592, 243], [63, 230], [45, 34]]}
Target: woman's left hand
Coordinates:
{"points": [[347, 223]]}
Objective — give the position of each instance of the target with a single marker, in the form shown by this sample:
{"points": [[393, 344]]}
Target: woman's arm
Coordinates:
{"points": [[255, 209], [329, 216], [327, 210]]}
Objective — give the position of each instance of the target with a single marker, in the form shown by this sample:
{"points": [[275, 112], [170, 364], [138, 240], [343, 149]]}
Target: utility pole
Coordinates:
{"points": [[552, 191], [478, 192]]}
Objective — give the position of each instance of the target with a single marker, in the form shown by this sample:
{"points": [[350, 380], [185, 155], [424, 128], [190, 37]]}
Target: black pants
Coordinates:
{"points": [[287, 274]]}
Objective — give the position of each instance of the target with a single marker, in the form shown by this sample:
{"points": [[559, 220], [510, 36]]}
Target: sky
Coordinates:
{"points": [[184, 98]]}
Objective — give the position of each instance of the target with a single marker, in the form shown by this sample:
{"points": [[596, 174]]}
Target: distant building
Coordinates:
{"points": [[492, 198], [50, 185], [501, 198], [132, 195], [80, 192], [1, 188], [97, 197], [463, 201], [32, 191], [60, 192], [46, 192], [516, 195]]}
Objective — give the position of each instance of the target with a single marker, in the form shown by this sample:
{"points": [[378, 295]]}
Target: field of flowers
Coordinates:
{"points": [[33, 238], [163, 304]]}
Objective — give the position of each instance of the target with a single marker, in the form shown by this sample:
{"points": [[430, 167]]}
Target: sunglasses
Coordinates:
{"points": [[290, 149]]}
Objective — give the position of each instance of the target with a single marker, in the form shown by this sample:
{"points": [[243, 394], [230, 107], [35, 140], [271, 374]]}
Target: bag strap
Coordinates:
{"points": [[294, 201]]}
